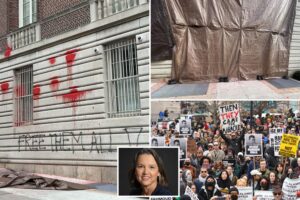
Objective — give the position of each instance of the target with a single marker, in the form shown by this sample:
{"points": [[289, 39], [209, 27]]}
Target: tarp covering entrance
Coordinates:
{"points": [[238, 39]]}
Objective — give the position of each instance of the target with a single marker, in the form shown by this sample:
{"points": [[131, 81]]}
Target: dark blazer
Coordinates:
{"points": [[159, 191]]}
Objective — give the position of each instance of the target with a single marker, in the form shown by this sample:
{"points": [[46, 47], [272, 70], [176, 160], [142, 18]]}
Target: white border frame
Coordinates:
{"points": [[149, 147]]}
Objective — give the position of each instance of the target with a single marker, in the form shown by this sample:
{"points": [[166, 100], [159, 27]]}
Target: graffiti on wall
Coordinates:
{"points": [[71, 141]]}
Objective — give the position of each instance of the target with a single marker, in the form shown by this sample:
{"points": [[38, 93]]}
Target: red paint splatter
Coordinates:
{"points": [[4, 87], [54, 84], [52, 60], [7, 52], [19, 90], [73, 97], [36, 92], [70, 57]]}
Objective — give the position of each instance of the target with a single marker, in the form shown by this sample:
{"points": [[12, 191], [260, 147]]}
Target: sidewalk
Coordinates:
{"points": [[28, 194], [242, 90], [98, 191]]}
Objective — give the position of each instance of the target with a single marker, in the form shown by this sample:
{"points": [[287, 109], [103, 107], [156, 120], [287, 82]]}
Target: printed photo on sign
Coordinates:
{"points": [[158, 141], [182, 144], [185, 127], [230, 117], [275, 140], [253, 143]]}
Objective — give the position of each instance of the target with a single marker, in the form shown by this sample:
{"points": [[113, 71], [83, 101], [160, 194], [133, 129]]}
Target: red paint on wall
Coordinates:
{"points": [[73, 97], [54, 84], [70, 58], [19, 90], [36, 92], [7, 52], [4, 87], [52, 60]]}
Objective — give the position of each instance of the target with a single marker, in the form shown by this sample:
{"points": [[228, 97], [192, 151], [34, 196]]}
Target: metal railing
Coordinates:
{"points": [[24, 36], [107, 8]]}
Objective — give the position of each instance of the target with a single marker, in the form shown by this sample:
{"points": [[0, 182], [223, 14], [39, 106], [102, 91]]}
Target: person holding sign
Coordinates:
{"points": [[234, 142]]}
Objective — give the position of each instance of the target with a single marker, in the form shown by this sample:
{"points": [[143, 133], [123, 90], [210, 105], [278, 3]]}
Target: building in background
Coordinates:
{"points": [[74, 84]]}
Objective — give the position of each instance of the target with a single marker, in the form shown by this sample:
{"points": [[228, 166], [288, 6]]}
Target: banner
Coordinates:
{"points": [[289, 145], [230, 117], [185, 127], [245, 193], [253, 143], [190, 193], [263, 195], [291, 189]]}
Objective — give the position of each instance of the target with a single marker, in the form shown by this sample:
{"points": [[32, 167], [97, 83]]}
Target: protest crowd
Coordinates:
{"points": [[235, 157]]}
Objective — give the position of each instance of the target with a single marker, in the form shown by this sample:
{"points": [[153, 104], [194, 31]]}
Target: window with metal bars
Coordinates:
{"points": [[23, 98], [123, 94]]}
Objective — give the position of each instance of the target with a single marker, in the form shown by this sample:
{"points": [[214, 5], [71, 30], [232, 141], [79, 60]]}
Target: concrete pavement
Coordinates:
{"points": [[241, 90]]}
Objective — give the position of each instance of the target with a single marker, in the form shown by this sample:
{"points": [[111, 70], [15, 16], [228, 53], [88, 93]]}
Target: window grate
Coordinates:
{"points": [[122, 79], [23, 97]]}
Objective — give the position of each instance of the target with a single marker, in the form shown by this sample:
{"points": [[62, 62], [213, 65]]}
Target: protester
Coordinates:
{"points": [[199, 182], [224, 182], [209, 190], [220, 155]]}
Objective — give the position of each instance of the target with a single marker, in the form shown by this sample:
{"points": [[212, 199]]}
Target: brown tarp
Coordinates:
{"points": [[238, 39], [161, 36], [11, 178]]}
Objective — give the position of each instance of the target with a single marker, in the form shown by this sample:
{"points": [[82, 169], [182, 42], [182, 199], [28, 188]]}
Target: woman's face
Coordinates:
{"points": [[146, 170], [193, 188], [272, 177], [224, 176], [279, 168]]}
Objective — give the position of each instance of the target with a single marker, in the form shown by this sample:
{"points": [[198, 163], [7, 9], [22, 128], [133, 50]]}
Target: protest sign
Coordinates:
{"points": [[228, 162], [276, 131], [182, 143], [230, 117], [290, 188], [157, 141], [185, 127], [289, 145], [245, 193], [253, 144], [275, 140], [190, 193], [263, 195]]}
